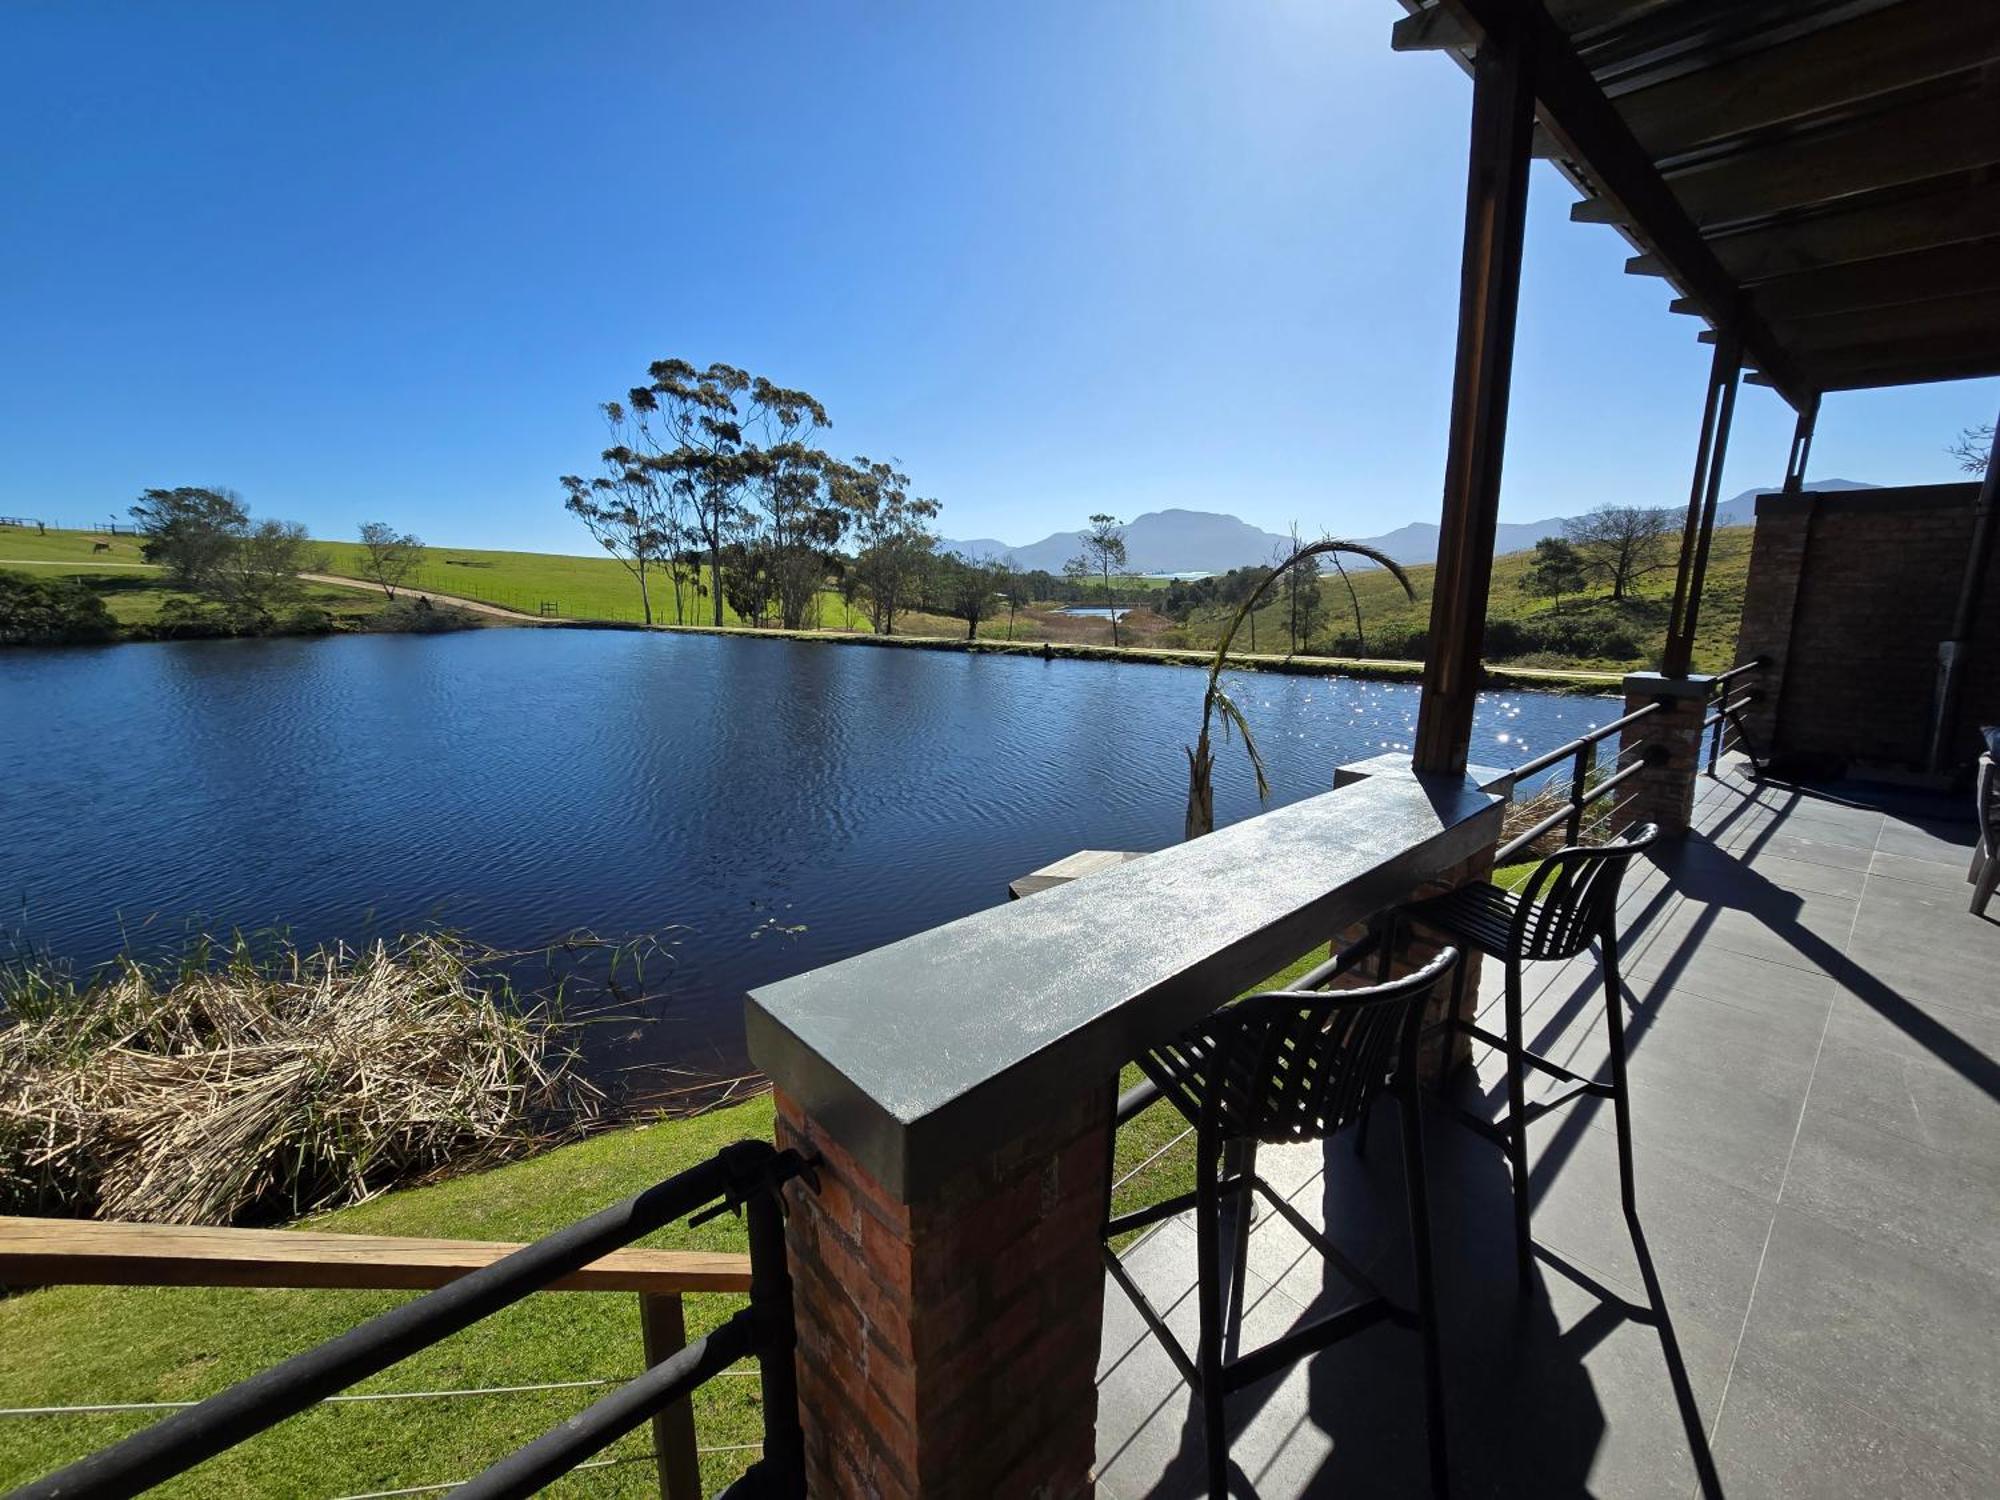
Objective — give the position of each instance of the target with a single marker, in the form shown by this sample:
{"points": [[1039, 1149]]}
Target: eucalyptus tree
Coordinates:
{"points": [[738, 448], [1103, 551], [1216, 701], [894, 545], [630, 510]]}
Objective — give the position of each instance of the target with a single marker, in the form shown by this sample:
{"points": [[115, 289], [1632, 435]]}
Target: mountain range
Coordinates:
{"points": [[1202, 541]]}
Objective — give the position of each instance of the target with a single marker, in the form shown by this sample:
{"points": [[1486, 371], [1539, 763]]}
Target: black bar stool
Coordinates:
{"points": [[1570, 900], [1291, 1065]]}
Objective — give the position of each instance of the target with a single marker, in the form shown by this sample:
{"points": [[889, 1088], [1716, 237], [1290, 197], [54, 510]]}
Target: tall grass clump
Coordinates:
{"points": [[252, 1085]]}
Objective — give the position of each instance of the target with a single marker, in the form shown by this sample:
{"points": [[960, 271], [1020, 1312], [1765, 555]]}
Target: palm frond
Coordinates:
{"points": [[1231, 714]]}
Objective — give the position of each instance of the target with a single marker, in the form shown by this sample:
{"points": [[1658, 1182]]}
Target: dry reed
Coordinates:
{"points": [[265, 1088]]}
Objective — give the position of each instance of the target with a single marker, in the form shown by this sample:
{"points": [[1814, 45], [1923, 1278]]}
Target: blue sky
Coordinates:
{"points": [[381, 261]]}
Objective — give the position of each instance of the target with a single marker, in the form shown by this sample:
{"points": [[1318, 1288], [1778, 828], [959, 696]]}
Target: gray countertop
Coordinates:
{"points": [[922, 1055]]}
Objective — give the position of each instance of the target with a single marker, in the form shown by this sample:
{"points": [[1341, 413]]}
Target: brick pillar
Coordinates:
{"points": [[948, 1346], [1670, 744]]}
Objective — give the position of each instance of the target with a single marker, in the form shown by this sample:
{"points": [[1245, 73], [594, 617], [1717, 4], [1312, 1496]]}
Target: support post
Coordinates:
{"points": [[1668, 744], [1503, 117], [1802, 436], [948, 1345], [1717, 411], [663, 1326], [1952, 653]]}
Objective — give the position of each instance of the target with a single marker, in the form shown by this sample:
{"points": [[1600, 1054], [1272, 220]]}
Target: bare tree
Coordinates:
{"points": [[1621, 543], [388, 557], [1974, 449]]}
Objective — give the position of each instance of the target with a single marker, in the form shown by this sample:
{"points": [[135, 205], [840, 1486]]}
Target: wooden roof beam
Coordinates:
{"points": [[1886, 281], [1867, 373], [1914, 142], [1893, 328], [1960, 209], [1593, 134], [1839, 66]]}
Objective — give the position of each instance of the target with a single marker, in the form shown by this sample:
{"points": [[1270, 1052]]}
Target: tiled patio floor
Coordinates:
{"points": [[1814, 1021]]}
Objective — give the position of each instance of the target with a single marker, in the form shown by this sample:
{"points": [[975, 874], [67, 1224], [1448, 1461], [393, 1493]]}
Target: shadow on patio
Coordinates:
{"points": [[1813, 1020]]}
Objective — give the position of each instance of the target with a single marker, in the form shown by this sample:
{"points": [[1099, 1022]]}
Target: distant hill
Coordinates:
{"points": [[1161, 541], [1195, 541]]}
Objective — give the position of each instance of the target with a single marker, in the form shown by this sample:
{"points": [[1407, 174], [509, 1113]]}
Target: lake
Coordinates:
{"points": [[775, 805]]}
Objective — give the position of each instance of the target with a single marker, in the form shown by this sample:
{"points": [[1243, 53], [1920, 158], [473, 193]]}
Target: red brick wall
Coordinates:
{"points": [[949, 1347], [1850, 593]]}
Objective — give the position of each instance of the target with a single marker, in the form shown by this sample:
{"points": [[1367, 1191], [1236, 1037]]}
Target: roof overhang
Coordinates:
{"points": [[1821, 180]]}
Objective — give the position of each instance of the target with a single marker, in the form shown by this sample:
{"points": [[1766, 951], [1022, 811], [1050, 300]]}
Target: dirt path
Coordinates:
{"points": [[477, 606]]}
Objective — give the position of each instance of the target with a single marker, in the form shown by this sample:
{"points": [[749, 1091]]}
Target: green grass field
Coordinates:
{"points": [[599, 588], [582, 588], [132, 588], [1385, 609]]}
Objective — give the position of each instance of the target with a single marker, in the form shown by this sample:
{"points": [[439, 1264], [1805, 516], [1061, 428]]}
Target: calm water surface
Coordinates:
{"points": [[778, 805]]}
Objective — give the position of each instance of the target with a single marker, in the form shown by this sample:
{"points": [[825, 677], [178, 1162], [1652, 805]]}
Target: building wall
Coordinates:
{"points": [[1849, 594]]}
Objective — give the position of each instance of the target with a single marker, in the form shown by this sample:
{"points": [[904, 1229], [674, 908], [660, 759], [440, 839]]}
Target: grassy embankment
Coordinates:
{"points": [[598, 588], [133, 589], [70, 1346]]}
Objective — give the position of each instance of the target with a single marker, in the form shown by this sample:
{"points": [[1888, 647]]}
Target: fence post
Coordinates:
{"points": [[664, 1329]]}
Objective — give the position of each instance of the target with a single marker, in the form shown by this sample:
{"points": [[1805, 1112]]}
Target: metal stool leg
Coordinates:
{"points": [[1517, 1128], [1621, 1101], [1418, 1196], [1208, 1289]]}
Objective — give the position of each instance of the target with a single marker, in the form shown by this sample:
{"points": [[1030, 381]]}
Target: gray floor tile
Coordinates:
{"points": [[1909, 1094], [1885, 1330], [1780, 1438], [1943, 843], [1943, 875], [1705, 1236], [1885, 1187], [1755, 844]]}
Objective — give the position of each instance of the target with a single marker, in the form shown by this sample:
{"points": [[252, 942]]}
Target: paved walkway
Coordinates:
{"points": [[1814, 1021]]}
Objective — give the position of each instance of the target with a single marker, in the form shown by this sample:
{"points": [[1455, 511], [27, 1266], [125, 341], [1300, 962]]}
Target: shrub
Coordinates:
{"points": [[422, 617], [50, 611], [185, 619], [308, 619]]}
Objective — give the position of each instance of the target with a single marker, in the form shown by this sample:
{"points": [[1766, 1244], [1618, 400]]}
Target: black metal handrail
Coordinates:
{"points": [[1582, 752], [746, 1175], [1728, 714]]}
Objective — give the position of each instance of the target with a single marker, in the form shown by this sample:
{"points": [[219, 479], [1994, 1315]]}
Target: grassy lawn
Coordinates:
{"points": [[584, 588], [1385, 609], [131, 587], [600, 588], [75, 1345]]}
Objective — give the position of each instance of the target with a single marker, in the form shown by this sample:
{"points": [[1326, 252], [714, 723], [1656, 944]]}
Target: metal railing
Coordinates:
{"points": [[745, 1176], [1583, 789], [1728, 715], [1581, 752]]}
